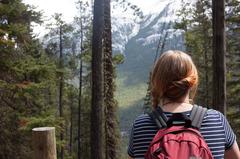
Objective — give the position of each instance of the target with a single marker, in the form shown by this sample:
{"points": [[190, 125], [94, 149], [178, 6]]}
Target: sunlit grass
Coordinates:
{"points": [[128, 95]]}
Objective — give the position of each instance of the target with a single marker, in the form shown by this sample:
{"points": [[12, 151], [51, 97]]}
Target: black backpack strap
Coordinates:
{"points": [[159, 118], [197, 116]]}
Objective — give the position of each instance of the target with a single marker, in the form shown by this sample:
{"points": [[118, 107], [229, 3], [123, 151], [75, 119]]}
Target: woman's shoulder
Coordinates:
{"points": [[215, 117], [143, 120], [215, 123], [212, 113]]}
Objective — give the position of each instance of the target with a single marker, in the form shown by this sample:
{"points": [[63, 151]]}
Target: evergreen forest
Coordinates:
{"points": [[90, 78]]}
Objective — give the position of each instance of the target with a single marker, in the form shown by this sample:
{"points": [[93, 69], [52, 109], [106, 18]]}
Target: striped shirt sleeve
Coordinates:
{"points": [[130, 145], [230, 137]]}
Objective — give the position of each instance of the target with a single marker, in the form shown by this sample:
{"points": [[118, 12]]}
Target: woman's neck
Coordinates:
{"points": [[180, 105]]}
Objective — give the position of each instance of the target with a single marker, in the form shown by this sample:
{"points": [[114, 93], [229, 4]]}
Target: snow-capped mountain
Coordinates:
{"points": [[140, 39], [125, 26], [123, 30]]}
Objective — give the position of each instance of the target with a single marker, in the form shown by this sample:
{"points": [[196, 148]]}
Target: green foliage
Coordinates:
{"points": [[196, 23], [27, 80], [118, 59], [233, 53], [233, 65], [233, 117], [44, 120]]}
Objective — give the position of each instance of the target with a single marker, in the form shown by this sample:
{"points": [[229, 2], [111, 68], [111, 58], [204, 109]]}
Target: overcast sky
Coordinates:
{"points": [[49, 7], [68, 9]]}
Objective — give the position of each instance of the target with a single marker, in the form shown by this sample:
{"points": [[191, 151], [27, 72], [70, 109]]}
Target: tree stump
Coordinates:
{"points": [[44, 143]]}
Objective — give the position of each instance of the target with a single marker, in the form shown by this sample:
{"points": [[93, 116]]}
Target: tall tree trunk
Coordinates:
{"points": [[61, 89], [71, 124], [219, 49], [111, 123], [97, 82], [80, 110], [80, 86]]}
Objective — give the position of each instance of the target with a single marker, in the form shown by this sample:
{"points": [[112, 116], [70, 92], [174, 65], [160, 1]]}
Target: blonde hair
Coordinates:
{"points": [[173, 76]]}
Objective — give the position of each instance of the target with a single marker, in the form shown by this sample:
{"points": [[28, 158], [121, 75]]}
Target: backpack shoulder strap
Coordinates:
{"points": [[197, 116], [159, 118]]}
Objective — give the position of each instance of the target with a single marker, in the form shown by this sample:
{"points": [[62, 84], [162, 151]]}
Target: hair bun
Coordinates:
{"points": [[176, 89]]}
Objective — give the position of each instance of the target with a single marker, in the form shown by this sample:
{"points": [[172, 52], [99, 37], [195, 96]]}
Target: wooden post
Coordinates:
{"points": [[44, 143]]}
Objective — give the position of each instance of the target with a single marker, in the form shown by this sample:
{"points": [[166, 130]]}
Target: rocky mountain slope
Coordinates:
{"points": [[138, 39]]}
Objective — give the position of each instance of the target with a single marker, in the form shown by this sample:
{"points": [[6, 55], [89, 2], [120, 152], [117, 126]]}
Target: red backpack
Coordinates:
{"points": [[179, 137]]}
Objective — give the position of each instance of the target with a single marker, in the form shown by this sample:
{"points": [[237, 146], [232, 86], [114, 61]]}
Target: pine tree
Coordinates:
{"points": [[233, 55], [82, 37], [233, 64], [59, 38], [27, 79], [80, 79], [196, 22]]}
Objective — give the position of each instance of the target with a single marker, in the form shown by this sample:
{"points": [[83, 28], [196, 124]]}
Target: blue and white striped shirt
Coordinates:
{"points": [[215, 129]]}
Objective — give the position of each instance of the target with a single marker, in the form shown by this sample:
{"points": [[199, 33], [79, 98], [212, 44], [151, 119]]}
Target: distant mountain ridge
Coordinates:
{"points": [[138, 40]]}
